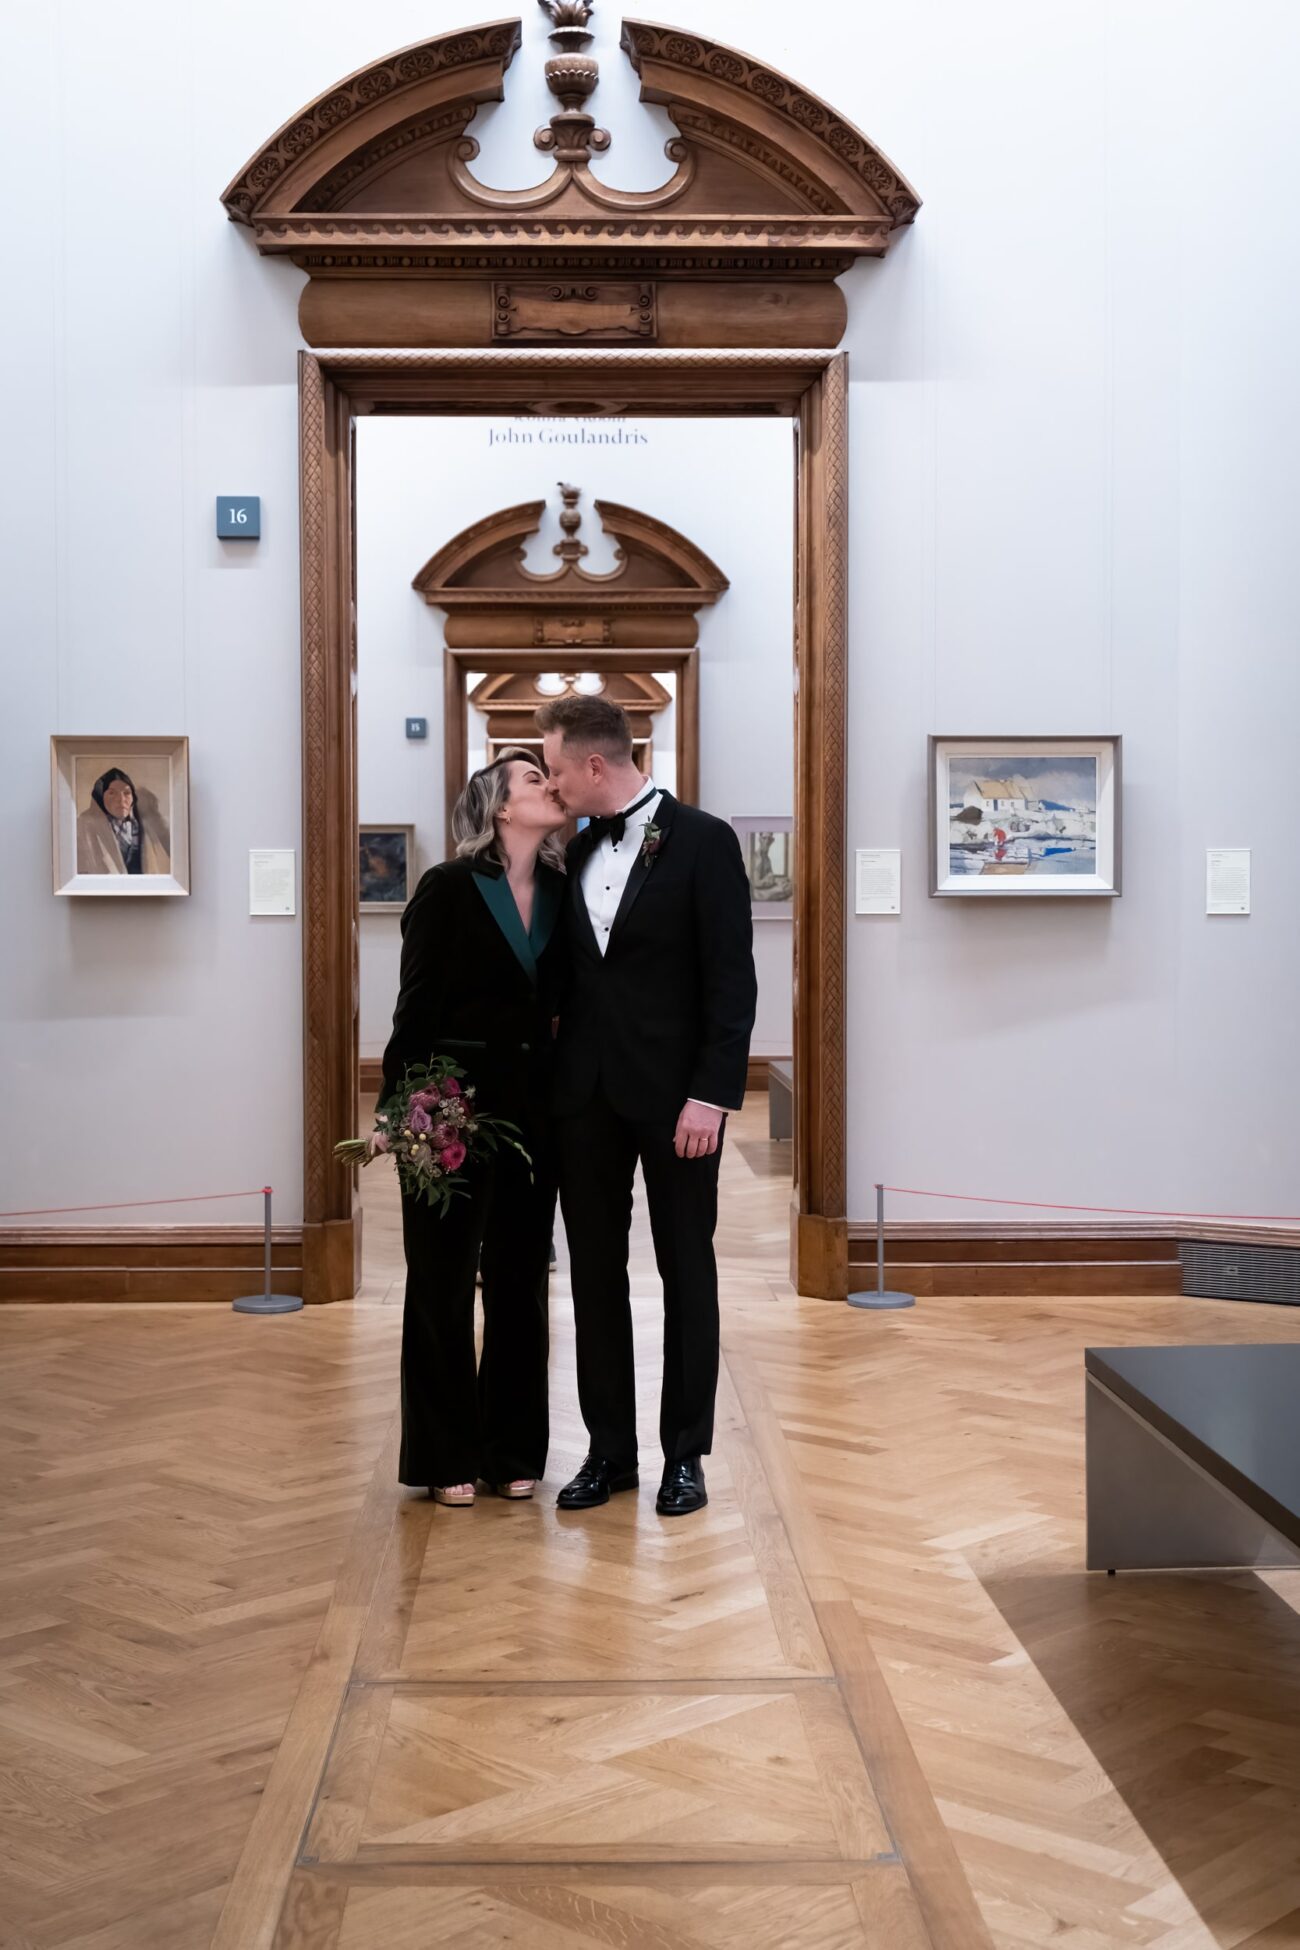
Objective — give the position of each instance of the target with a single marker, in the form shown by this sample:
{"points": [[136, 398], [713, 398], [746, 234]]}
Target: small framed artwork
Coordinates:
{"points": [[121, 813], [768, 848], [387, 866], [1024, 818]]}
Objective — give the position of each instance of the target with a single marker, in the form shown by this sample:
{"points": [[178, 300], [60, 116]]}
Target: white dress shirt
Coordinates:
{"points": [[607, 872], [609, 868]]}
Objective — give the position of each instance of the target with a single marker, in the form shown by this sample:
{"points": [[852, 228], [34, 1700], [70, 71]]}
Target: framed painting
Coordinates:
{"points": [[121, 816], [387, 855], [768, 849], [1024, 818]]}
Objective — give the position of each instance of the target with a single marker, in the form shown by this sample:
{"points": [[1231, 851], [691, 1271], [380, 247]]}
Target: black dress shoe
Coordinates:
{"points": [[682, 1489], [594, 1483]]}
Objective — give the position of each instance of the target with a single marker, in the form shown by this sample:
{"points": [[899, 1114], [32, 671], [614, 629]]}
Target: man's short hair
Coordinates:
{"points": [[589, 724]]}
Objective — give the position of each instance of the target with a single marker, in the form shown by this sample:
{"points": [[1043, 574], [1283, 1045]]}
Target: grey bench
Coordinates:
{"points": [[1193, 1456], [780, 1098]]}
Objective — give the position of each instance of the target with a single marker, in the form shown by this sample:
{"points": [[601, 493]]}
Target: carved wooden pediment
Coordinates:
{"points": [[371, 189], [494, 601]]}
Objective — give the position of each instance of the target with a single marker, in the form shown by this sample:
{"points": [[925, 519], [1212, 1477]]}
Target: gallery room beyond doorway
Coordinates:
{"points": [[337, 389]]}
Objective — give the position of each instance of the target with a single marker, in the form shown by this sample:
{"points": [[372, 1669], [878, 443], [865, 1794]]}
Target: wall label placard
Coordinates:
{"points": [[239, 517], [417, 727], [878, 880], [272, 880], [1227, 880]]}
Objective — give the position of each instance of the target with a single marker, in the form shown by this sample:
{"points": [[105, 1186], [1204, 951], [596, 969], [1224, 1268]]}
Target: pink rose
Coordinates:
{"points": [[443, 1135], [454, 1156], [451, 1088], [420, 1120]]}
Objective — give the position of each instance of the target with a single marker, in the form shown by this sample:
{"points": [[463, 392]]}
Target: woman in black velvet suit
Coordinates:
{"points": [[480, 981]]}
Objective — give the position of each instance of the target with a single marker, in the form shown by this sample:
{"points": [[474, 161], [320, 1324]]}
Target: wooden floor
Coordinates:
{"points": [[253, 1694]]}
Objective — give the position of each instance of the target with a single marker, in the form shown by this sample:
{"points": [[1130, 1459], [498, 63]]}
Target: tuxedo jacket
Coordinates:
{"points": [[477, 988], [667, 1012]]}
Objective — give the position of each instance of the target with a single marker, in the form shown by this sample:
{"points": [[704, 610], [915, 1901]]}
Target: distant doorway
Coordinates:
{"points": [[490, 698]]}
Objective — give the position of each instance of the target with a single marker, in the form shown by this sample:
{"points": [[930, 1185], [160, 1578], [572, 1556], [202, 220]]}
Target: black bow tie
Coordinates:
{"points": [[615, 826]]}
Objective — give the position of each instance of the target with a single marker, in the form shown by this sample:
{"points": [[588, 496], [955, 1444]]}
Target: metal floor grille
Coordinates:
{"points": [[1213, 1272]]}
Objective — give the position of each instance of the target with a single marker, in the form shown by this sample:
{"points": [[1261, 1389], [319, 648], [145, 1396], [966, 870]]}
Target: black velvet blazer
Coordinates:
{"points": [[667, 1012], [476, 988]]}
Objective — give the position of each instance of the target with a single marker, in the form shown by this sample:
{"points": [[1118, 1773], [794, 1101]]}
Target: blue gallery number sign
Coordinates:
{"points": [[239, 517], [417, 727]]}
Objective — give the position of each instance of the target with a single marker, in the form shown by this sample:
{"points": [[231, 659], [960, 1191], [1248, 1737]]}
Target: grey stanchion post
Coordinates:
{"points": [[882, 1300], [267, 1302]]}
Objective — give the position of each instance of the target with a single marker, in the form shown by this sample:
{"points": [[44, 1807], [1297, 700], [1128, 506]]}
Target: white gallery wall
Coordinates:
{"points": [[726, 485], [1076, 472]]}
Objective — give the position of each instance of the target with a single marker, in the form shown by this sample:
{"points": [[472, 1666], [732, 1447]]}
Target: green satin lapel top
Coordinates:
{"points": [[527, 946]]}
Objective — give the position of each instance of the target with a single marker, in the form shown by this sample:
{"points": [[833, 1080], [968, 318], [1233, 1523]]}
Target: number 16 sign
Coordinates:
{"points": [[239, 517]]}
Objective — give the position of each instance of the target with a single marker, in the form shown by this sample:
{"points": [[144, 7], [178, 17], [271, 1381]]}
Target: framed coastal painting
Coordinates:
{"points": [[1024, 818], [768, 849], [387, 866], [121, 816]]}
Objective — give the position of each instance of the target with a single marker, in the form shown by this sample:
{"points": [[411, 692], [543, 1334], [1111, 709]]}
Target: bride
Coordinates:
{"points": [[479, 982]]}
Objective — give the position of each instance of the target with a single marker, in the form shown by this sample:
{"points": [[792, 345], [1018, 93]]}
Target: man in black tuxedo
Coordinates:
{"points": [[652, 1054]]}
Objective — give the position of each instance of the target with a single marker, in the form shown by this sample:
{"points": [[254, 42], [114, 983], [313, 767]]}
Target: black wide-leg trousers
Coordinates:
{"points": [[598, 1153], [459, 1424]]}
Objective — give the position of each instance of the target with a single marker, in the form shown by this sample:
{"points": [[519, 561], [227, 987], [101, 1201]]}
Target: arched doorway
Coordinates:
{"points": [[515, 636], [733, 261]]}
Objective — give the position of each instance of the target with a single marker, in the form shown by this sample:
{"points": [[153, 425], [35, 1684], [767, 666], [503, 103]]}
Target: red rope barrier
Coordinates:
{"points": [[1121, 1211], [133, 1204]]}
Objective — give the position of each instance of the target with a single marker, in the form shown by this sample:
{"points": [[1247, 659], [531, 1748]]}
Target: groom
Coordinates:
{"points": [[652, 1054]]}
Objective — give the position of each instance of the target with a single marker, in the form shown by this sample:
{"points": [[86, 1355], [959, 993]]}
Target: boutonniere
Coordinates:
{"points": [[652, 839]]}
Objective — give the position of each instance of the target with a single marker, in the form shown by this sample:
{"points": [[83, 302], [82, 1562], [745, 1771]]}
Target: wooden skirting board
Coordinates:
{"points": [[53, 1264], [1028, 1259], [1017, 1259], [69, 1263]]}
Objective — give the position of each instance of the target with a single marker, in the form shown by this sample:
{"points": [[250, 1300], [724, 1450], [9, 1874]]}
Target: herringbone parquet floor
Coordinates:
{"points": [[251, 1694]]}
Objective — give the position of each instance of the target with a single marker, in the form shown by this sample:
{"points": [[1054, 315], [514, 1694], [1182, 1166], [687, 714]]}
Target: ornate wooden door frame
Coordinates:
{"points": [[811, 388]]}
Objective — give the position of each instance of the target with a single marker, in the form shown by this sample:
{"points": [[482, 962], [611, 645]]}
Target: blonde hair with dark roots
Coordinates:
{"points": [[474, 815]]}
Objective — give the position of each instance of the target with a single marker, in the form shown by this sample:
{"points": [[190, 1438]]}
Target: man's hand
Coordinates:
{"points": [[698, 1129]]}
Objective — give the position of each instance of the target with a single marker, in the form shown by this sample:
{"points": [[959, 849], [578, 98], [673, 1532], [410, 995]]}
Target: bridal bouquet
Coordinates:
{"points": [[431, 1128]]}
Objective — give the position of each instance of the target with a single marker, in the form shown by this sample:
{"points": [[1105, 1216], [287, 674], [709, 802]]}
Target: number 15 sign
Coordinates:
{"points": [[239, 517]]}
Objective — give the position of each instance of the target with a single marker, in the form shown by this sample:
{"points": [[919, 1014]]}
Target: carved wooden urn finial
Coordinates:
{"points": [[570, 549], [571, 134], [570, 18]]}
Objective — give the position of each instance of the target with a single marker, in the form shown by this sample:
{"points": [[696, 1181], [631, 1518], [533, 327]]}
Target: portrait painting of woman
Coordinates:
{"points": [[121, 830], [121, 815]]}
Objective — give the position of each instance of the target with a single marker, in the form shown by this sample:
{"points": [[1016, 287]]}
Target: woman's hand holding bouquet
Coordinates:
{"points": [[432, 1128]]}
